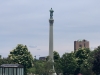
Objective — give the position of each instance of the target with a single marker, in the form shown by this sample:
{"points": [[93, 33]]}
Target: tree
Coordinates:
{"points": [[39, 67], [6, 61], [81, 55], [57, 62], [0, 56], [68, 63], [96, 62], [31, 70], [21, 55], [86, 67], [56, 56]]}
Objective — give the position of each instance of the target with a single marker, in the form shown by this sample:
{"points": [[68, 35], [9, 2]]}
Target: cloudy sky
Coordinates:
{"points": [[26, 22]]}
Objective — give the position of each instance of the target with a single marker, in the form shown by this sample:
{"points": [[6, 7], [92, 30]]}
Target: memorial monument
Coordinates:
{"points": [[51, 21]]}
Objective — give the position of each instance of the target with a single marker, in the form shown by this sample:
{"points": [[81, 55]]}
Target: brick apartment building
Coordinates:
{"points": [[81, 44]]}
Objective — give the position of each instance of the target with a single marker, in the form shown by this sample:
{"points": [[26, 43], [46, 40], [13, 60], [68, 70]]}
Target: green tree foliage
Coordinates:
{"points": [[0, 56], [68, 63], [57, 63], [83, 60], [96, 62], [21, 55], [45, 67], [56, 56], [81, 56], [6, 61], [86, 67], [48, 67], [41, 67], [31, 70]]}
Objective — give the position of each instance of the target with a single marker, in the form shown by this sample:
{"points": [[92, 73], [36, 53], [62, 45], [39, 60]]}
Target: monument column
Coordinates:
{"points": [[51, 35], [51, 21]]}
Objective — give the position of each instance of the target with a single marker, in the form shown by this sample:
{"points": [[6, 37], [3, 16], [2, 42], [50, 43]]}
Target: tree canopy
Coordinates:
{"points": [[82, 61], [21, 55], [96, 62], [68, 63]]}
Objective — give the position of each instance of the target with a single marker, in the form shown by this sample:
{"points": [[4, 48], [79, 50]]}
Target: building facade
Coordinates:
{"points": [[12, 69], [81, 44], [42, 58]]}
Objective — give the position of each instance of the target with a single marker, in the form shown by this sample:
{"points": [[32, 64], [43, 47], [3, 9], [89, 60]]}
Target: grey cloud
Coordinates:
{"points": [[38, 49], [33, 46]]}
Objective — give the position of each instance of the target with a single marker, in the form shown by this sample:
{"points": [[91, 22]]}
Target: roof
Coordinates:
{"points": [[42, 58], [81, 40], [11, 65]]}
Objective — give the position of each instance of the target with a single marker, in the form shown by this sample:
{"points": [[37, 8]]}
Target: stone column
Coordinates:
{"points": [[51, 39], [51, 21]]}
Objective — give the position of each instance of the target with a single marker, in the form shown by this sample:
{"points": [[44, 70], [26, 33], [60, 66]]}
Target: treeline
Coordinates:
{"points": [[82, 61]]}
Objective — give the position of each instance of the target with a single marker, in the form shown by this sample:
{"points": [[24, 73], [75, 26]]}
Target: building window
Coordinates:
{"points": [[84, 44], [80, 46], [84, 40]]}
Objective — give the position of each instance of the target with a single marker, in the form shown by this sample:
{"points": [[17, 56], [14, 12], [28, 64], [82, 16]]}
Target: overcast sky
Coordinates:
{"points": [[26, 22]]}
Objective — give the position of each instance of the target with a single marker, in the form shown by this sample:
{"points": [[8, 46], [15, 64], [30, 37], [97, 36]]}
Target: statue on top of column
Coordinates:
{"points": [[51, 13]]}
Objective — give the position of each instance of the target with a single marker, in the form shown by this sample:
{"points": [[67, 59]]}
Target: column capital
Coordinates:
{"points": [[51, 21]]}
